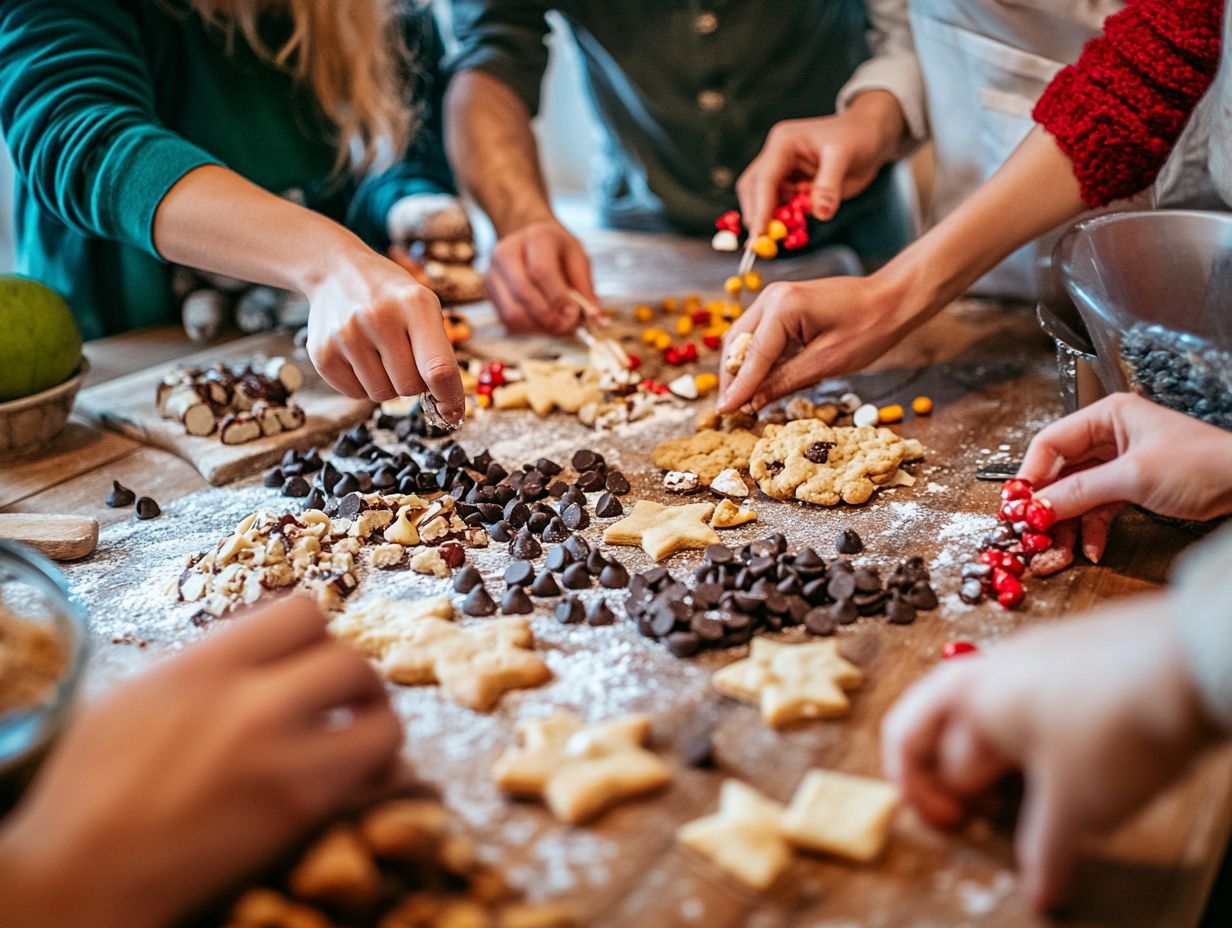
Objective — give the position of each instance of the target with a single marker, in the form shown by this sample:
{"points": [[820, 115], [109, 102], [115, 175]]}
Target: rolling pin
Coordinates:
{"points": [[61, 538]]}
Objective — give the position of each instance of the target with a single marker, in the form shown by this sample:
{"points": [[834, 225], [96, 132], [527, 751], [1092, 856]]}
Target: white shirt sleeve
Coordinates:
{"points": [[1203, 594], [893, 67]]}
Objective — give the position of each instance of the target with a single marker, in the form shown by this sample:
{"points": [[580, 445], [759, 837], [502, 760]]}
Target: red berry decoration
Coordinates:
{"points": [[701, 317], [713, 342], [953, 649], [1014, 510], [991, 557], [729, 222], [484, 389], [1011, 592], [634, 362], [1016, 489], [689, 353], [1035, 542], [1040, 516], [672, 355], [783, 214]]}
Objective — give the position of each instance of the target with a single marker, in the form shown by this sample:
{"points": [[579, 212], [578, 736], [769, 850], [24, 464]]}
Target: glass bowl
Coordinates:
{"points": [[34, 590]]}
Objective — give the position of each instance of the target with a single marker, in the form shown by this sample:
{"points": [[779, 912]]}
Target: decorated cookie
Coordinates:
{"points": [[810, 461], [706, 453]]}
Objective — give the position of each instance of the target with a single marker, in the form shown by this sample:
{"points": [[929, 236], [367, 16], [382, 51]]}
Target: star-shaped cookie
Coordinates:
{"points": [[416, 644], [552, 385], [791, 682], [744, 838], [577, 769], [838, 813], [663, 530]]}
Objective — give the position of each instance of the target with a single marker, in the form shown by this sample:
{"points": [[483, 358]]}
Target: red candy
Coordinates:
{"points": [[957, 649], [701, 317], [712, 342], [484, 389], [1016, 489], [1040, 516], [1035, 542], [795, 241], [1013, 511], [689, 352], [1011, 592], [653, 386], [783, 214], [1003, 560], [673, 356], [634, 362], [729, 222]]}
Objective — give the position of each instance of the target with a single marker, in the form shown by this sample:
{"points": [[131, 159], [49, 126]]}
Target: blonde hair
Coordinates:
{"points": [[352, 56]]}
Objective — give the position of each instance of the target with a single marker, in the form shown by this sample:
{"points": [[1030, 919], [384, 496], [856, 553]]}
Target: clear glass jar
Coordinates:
{"points": [[34, 590]]}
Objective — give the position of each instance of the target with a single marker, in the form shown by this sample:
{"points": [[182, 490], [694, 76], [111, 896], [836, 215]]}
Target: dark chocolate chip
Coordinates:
{"points": [[778, 541], [296, 486], [516, 513], [591, 481], [350, 506], [519, 573], [578, 547], [491, 512], [849, 542], [867, 580], [844, 612], [456, 456], [816, 591], [478, 602], [683, 644], [570, 611], [516, 602], [655, 576], [614, 576], [789, 586], [346, 485], [617, 483], [537, 522], [558, 488], [147, 508], [576, 577], [608, 507], [359, 435], [501, 531], [344, 447], [585, 459], [572, 495], [719, 554], [820, 621], [548, 467], [600, 614], [312, 461], [921, 595], [899, 611], [315, 499], [870, 603], [495, 473], [467, 579], [273, 478], [575, 517], [819, 451], [525, 546], [707, 595], [707, 627], [545, 586], [482, 461], [596, 561], [294, 469], [121, 496], [808, 563], [555, 530], [558, 558]]}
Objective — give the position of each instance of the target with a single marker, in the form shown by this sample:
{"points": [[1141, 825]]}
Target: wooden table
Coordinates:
{"points": [[991, 374]]}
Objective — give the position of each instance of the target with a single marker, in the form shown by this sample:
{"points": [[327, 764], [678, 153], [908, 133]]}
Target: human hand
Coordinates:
{"points": [[1098, 713], [197, 773], [1125, 449], [531, 273], [806, 331], [374, 331], [840, 154]]}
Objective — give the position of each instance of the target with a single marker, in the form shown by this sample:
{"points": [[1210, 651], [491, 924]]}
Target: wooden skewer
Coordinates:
{"points": [[746, 260], [592, 319]]}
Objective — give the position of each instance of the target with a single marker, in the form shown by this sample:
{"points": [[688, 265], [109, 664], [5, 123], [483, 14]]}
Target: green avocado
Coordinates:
{"points": [[40, 344]]}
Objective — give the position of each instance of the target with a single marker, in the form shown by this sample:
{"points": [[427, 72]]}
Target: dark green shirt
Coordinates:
{"points": [[686, 91], [106, 104]]}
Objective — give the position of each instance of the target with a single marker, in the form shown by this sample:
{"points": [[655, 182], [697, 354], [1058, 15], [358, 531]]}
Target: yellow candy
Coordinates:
{"points": [[643, 313], [764, 247], [650, 336], [662, 341], [715, 306], [777, 230], [484, 400], [891, 413], [733, 285], [670, 304], [693, 299], [922, 405], [684, 325], [734, 312], [752, 281], [706, 383]]}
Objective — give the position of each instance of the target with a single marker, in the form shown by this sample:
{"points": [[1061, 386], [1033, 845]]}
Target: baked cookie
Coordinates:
{"points": [[810, 461], [706, 453]]}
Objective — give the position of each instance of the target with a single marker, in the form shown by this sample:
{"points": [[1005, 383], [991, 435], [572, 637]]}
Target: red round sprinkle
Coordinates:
{"points": [[957, 649]]}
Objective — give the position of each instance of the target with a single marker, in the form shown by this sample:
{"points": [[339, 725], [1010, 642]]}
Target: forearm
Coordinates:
{"points": [[217, 221], [882, 111], [490, 143], [1033, 192]]}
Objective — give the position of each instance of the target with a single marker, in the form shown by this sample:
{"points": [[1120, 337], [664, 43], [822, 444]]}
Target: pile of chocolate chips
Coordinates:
{"points": [[762, 588]]}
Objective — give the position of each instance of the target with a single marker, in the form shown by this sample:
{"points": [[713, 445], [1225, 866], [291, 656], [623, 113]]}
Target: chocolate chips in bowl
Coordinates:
{"points": [[43, 645]]}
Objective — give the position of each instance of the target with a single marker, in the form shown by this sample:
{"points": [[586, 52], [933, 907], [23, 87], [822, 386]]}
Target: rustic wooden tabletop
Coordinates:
{"points": [[992, 376]]}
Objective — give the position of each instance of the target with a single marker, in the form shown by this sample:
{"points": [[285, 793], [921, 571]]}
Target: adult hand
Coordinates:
{"points": [[531, 273], [806, 331], [840, 155], [1125, 449], [196, 774], [1098, 713], [374, 331]]}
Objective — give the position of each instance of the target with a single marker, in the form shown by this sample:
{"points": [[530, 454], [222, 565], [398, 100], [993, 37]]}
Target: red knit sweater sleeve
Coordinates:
{"points": [[1118, 111]]}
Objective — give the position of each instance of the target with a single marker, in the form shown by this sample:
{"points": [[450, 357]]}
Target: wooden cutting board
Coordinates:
{"points": [[60, 537], [127, 406]]}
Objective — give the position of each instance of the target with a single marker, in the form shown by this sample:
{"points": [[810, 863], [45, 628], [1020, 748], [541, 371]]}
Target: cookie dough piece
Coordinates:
{"points": [[663, 530], [265, 908], [811, 461], [577, 769], [337, 870], [706, 453], [842, 814], [801, 407], [791, 682], [738, 353], [725, 422], [377, 626], [743, 838], [511, 396], [552, 385], [429, 561], [729, 515]]}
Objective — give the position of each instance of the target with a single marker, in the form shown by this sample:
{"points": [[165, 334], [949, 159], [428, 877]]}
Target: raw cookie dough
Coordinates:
{"points": [[417, 644], [743, 838], [552, 385], [738, 353], [580, 769], [663, 530], [838, 813], [730, 515], [811, 461], [706, 453], [791, 682]]}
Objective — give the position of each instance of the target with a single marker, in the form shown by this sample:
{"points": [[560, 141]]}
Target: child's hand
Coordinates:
{"points": [[1098, 713], [196, 774], [375, 331], [1125, 449]]}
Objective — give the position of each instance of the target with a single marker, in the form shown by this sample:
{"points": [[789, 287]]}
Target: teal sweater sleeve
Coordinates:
{"points": [[77, 111], [424, 167]]}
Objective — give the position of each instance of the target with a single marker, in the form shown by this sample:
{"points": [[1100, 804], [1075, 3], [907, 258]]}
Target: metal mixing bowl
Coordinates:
{"points": [[32, 588], [1154, 290]]}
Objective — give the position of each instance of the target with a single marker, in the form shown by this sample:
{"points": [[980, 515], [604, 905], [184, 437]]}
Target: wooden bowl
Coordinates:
{"points": [[29, 424]]}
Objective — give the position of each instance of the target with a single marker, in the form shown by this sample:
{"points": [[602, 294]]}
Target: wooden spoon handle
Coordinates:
{"points": [[62, 538]]}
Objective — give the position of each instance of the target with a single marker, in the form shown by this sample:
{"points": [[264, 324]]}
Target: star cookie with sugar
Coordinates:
{"points": [[663, 530], [744, 838], [580, 769], [791, 682], [416, 644]]}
